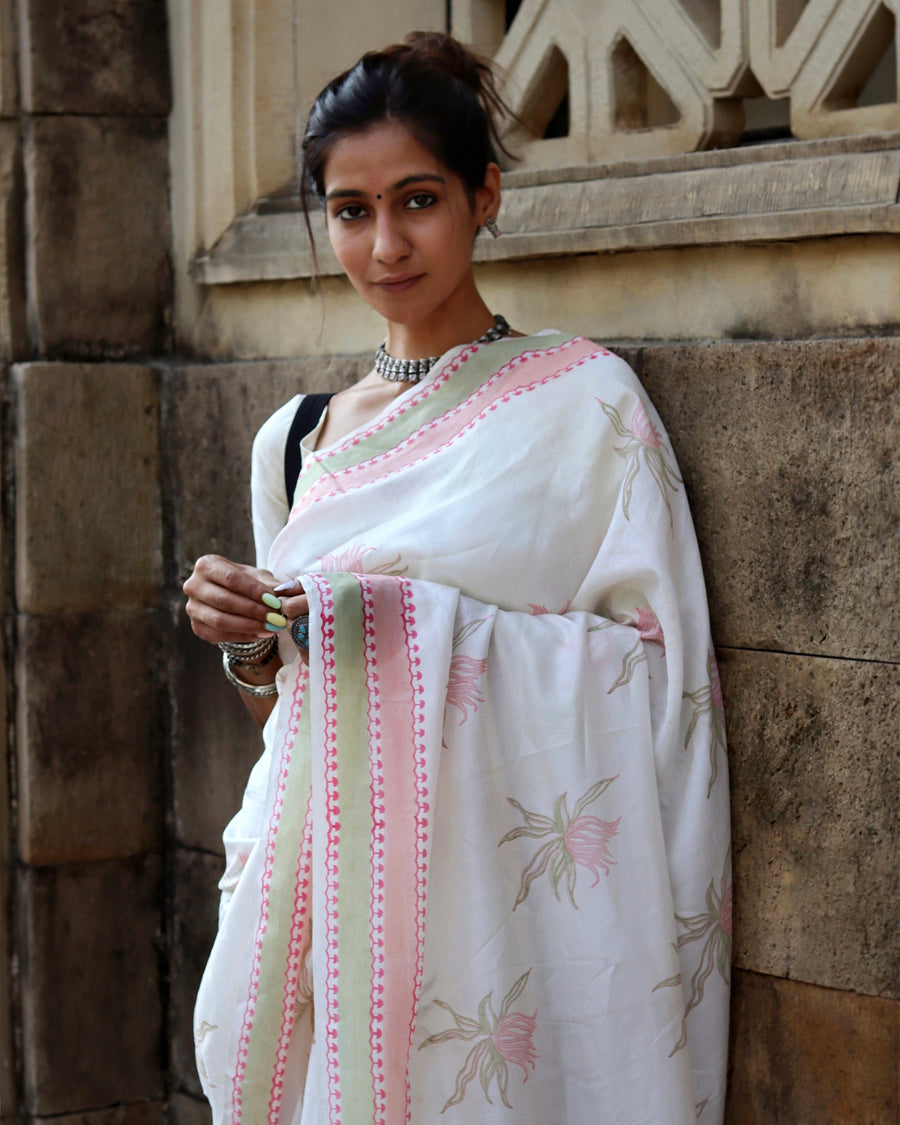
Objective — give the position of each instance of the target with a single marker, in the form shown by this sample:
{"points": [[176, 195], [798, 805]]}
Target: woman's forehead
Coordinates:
{"points": [[383, 154]]}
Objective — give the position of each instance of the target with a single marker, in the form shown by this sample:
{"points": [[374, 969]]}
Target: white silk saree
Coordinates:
{"points": [[481, 872]]}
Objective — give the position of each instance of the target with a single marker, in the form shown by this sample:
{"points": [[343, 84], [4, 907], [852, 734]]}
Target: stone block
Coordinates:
{"points": [[215, 411], [88, 509], [184, 1110], [9, 94], [805, 1054], [787, 452], [192, 932], [98, 252], [214, 742], [95, 57], [8, 1096], [92, 985], [814, 773], [138, 1113], [89, 737], [12, 255]]}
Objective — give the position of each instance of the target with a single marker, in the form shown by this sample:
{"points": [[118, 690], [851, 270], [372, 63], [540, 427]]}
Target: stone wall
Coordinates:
{"points": [[85, 286]]}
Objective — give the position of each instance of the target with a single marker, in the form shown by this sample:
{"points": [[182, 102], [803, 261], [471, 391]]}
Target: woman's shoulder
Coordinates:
{"points": [[272, 434], [590, 360]]}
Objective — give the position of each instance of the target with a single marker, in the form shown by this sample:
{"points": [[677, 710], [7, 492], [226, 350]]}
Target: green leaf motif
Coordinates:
{"points": [[514, 993]]}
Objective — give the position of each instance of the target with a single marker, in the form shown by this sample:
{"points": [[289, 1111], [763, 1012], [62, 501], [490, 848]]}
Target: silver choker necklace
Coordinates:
{"points": [[412, 370]]}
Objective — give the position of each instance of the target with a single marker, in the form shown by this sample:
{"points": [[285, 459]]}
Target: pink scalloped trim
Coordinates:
{"points": [[298, 947], [332, 843], [274, 821], [423, 810], [377, 895]]}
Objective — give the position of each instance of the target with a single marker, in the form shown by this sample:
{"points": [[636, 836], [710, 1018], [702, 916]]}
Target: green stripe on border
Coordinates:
{"points": [[263, 1045], [354, 853]]}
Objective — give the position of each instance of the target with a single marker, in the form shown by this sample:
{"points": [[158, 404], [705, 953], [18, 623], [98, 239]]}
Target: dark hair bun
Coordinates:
{"points": [[445, 94], [447, 54]]}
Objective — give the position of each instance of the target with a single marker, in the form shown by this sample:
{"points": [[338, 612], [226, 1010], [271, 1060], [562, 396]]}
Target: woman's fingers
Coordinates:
{"points": [[229, 601], [225, 599], [294, 607]]}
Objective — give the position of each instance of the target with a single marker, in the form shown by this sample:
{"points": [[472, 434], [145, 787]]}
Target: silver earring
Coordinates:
{"points": [[490, 225]]}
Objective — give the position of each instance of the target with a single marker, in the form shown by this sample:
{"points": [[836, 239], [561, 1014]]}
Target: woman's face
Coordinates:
{"points": [[402, 225]]}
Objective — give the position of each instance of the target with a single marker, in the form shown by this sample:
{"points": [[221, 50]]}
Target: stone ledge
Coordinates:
{"points": [[770, 192]]}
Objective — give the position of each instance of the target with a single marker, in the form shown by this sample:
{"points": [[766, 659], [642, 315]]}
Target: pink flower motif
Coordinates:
{"points": [[649, 627], [587, 842], [462, 688], [643, 429], [351, 561], [496, 1042], [538, 610], [727, 910], [512, 1040]]}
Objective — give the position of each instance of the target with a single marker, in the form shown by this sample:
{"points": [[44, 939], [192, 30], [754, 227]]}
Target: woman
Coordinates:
{"points": [[482, 868]]}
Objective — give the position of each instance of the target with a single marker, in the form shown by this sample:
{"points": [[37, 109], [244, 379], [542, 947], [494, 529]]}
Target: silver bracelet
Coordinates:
{"points": [[260, 691], [249, 652]]}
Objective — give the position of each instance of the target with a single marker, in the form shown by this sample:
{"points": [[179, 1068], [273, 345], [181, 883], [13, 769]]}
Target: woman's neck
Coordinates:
{"points": [[439, 332]]}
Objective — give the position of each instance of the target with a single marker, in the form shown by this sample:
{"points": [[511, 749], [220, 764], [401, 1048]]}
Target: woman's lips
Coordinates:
{"points": [[398, 284]]}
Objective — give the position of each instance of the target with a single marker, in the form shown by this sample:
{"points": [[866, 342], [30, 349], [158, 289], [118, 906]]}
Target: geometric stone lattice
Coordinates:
{"points": [[643, 78]]}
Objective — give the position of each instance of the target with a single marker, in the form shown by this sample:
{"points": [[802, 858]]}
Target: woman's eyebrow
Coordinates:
{"points": [[346, 193], [415, 178]]}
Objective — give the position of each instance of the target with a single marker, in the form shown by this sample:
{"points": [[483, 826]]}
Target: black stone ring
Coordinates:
{"points": [[300, 632]]}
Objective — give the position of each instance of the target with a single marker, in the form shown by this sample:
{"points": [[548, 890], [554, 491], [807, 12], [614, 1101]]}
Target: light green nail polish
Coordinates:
{"points": [[271, 601], [277, 620], [273, 629]]}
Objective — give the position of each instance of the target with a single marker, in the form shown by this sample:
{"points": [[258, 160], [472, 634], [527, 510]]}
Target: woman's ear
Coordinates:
{"points": [[487, 198]]}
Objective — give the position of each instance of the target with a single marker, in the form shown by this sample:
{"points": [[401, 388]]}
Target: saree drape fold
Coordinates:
{"points": [[481, 872]]}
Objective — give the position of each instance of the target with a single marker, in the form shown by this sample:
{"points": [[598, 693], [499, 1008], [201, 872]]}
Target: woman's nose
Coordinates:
{"points": [[390, 246]]}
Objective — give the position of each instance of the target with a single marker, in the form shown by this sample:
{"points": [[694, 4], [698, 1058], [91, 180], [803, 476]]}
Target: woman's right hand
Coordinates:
{"points": [[224, 600]]}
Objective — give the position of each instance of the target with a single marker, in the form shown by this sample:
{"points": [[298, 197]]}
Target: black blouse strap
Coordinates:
{"points": [[308, 414]]}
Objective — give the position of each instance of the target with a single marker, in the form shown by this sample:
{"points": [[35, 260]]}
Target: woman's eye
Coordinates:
{"points": [[350, 212], [420, 200]]}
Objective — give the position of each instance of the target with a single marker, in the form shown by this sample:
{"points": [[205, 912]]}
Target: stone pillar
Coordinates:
{"points": [[89, 737], [95, 91], [87, 286]]}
